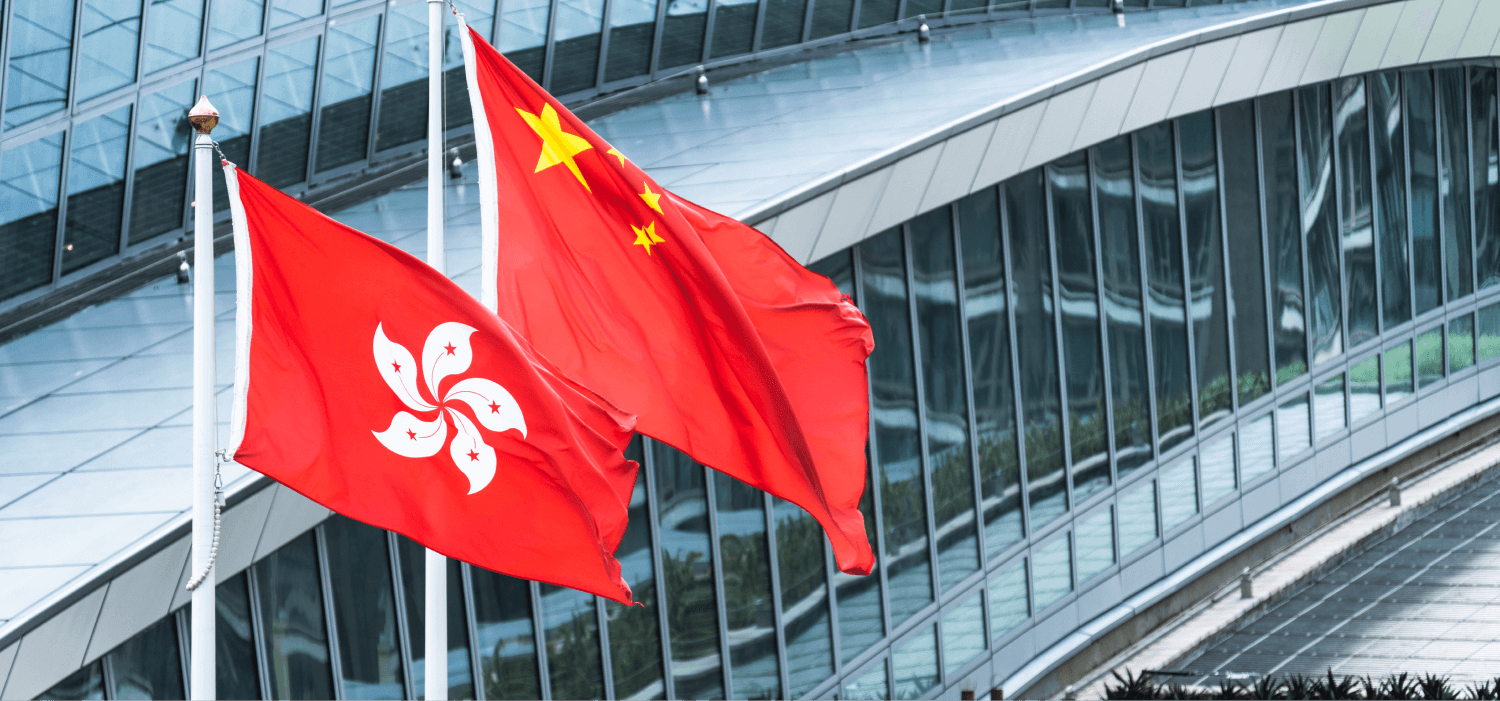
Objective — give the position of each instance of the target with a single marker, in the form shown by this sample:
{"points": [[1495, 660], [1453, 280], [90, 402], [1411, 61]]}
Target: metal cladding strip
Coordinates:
{"points": [[1064, 649]]}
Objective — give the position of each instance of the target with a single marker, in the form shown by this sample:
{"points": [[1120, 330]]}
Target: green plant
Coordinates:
{"points": [[1267, 687], [1299, 687], [1131, 686], [1399, 686], [1433, 686]]}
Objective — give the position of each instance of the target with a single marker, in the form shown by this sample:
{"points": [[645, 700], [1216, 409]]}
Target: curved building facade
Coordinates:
{"points": [[1143, 292]]}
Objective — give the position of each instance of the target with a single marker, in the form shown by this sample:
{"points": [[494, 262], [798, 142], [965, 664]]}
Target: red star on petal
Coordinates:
{"points": [[449, 348], [411, 434], [473, 455], [396, 365], [494, 408]]}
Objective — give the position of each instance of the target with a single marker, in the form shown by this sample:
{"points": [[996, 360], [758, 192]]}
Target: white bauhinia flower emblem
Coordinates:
{"points": [[447, 352]]}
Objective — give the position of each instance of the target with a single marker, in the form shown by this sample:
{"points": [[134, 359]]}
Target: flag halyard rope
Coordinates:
{"points": [[213, 554]]}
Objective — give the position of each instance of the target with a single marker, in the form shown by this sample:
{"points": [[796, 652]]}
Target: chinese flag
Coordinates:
{"points": [[373, 385], [723, 345]]}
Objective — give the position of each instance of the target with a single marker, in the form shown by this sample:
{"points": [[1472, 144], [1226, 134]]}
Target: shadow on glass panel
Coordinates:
{"points": [[634, 632], [503, 629], [804, 597], [748, 605], [413, 559], [1398, 374], [40, 59], [1246, 255], [175, 29], [916, 665], [687, 574], [1120, 256], [963, 634], [364, 608], [348, 79], [1205, 262], [1166, 304], [29, 176], [1284, 232], [148, 665], [292, 621], [237, 674], [162, 140], [1096, 544], [286, 113]]}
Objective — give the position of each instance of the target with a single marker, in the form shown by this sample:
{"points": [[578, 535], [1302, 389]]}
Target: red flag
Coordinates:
{"points": [[373, 385], [719, 341]]}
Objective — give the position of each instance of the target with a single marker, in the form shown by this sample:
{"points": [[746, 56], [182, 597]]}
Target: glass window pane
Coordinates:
{"points": [[1041, 406], [1325, 305], [1180, 501], [1114, 179], [1398, 376], [106, 58], [403, 77], [1430, 356], [348, 75], [1167, 305], [523, 33], [1453, 182], [1052, 573], [1292, 428], [989, 358], [96, 190], [1487, 343], [364, 609], [1279, 154], [1426, 258], [234, 20], [1138, 517], [176, 26], [41, 33], [734, 25], [292, 621], [870, 685], [1073, 219], [682, 34], [832, 17], [1257, 448], [29, 176], [289, 11], [1218, 468], [1460, 343], [481, 17], [162, 140], [873, 12], [236, 672], [632, 28], [1484, 125], [1390, 182], [149, 664], [575, 51], [748, 605], [86, 683], [1328, 406], [963, 634], [1009, 604], [935, 272], [286, 113], [1205, 256], [915, 664], [894, 413], [1351, 132], [682, 506], [233, 90], [414, 588], [571, 638], [804, 598], [634, 632], [783, 24], [1364, 389], [503, 629], [1096, 543]]}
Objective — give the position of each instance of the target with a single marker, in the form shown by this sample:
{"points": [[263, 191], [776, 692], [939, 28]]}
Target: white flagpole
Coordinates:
{"points": [[436, 628], [205, 425]]}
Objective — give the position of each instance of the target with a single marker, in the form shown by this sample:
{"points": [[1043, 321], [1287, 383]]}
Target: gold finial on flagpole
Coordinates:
{"points": [[203, 116]]}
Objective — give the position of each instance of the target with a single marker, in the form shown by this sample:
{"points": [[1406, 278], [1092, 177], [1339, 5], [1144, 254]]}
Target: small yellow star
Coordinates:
{"points": [[647, 236], [618, 155], [558, 146], [652, 198]]}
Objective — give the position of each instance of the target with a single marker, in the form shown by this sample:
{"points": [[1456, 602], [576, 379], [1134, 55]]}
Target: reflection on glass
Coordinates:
{"points": [[289, 11], [1364, 389], [832, 17], [86, 683], [748, 606], [1284, 231], [1073, 221], [575, 45], [1096, 543], [632, 27], [162, 140], [634, 632], [1351, 133], [1032, 289], [403, 77], [804, 600], [1257, 448], [734, 27], [963, 633], [286, 113], [894, 413], [292, 621], [414, 590], [1389, 157], [1453, 181], [1218, 468], [364, 608], [1205, 261], [870, 685], [989, 358], [29, 176], [1325, 306], [1293, 432], [41, 34], [236, 673], [570, 634], [1179, 500], [687, 573], [915, 665], [1460, 343], [234, 20], [348, 78], [1130, 388], [1138, 517], [503, 629], [682, 33], [523, 32], [1009, 601], [1328, 406], [1430, 356], [147, 665], [783, 23], [480, 16], [106, 54], [175, 27], [96, 190], [873, 12], [1426, 256], [1052, 572], [1165, 303], [1398, 375], [233, 88], [1487, 341], [1484, 125]]}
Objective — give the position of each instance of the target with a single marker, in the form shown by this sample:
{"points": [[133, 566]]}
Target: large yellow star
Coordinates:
{"points": [[647, 237], [652, 198], [558, 146]]}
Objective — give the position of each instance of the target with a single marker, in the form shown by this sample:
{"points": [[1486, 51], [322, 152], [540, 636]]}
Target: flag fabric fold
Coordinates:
{"points": [[373, 385], [723, 345]]}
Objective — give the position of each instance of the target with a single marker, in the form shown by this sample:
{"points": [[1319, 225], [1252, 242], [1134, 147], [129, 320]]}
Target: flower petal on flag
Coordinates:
{"points": [[447, 352], [474, 457], [412, 437], [492, 404], [400, 371]]}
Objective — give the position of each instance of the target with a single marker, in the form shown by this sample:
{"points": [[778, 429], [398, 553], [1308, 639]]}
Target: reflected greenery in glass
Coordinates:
{"points": [[1205, 264], [504, 631], [1284, 232], [748, 606], [1461, 343], [634, 631], [1120, 256], [1246, 257], [1364, 389], [1487, 338], [1429, 356], [1168, 303], [1398, 376]]}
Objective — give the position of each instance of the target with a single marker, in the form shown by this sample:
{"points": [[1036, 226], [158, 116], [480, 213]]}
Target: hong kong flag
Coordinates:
{"points": [[719, 341], [373, 385]]}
